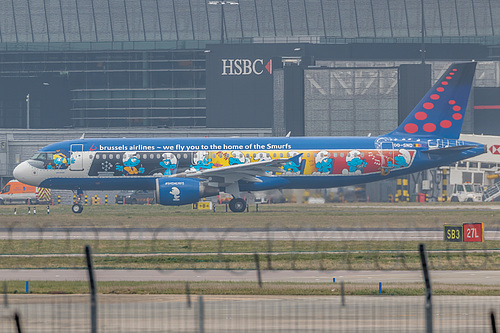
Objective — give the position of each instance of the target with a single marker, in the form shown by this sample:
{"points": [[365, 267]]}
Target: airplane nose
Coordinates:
{"points": [[24, 172]]}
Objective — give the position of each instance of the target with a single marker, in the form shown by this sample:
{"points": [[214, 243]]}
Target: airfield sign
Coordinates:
{"points": [[468, 232], [473, 232], [453, 233]]}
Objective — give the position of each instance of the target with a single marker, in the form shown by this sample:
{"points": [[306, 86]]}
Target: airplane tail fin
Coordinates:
{"points": [[441, 111]]}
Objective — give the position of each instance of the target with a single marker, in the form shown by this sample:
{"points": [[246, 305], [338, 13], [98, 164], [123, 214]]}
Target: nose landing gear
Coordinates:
{"points": [[77, 207]]}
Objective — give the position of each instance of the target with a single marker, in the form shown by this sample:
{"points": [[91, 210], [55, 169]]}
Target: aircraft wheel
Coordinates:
{"points": [[237, 205], [77, 209]]}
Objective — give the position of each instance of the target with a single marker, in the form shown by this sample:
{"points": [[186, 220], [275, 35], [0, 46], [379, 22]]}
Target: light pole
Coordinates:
{"points": [[28, 111], [222, 3]]}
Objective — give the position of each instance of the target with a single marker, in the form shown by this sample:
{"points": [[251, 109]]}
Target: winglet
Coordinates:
{"points": [[295, 159], [441, 112]]}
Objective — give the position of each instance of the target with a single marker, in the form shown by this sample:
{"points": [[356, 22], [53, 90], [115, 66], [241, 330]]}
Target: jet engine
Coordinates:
{"points": [[181, 191]]}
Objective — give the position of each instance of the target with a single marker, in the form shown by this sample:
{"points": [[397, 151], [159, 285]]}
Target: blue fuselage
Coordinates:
{"points": [[115, 164]]}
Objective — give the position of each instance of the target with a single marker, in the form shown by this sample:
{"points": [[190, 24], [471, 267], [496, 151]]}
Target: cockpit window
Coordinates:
{"points": [[40, 156]]}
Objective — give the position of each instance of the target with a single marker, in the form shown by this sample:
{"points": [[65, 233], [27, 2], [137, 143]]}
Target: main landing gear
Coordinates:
{"points": [[237, 205], [77, 207]]}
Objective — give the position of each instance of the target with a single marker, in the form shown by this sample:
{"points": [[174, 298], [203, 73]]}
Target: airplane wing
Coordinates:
{"points": [[246, 172]]}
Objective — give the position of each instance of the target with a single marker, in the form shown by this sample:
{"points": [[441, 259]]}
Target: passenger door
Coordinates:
{"points": [[76, 157]]}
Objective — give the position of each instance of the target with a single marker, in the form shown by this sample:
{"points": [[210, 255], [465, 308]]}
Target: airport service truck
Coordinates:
{"points": [[467, 192]]}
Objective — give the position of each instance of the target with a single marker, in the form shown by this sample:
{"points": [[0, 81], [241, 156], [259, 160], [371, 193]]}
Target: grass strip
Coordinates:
{"points": [[76, 246], [249, 288], [293, 261], [282, 215]]}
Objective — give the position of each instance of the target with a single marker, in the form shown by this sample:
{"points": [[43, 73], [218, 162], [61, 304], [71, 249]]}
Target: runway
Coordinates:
{"points": [[447, 277]]}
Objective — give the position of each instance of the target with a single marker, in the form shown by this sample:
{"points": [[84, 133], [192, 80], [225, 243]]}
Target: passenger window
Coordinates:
{"points": [[103, 156], [96, 156]]}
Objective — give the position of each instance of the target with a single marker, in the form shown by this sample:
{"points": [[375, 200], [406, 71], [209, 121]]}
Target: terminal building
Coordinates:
{"points": [[223, 68]]}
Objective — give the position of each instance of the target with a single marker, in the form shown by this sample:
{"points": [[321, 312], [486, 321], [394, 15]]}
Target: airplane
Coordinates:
{"points": [[183, 170]]}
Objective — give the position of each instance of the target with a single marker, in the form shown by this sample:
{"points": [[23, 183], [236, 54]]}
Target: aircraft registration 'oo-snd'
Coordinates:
{"points": [[183, 170]]}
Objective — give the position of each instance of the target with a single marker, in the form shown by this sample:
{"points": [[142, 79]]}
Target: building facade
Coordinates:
{"points": [[144, 63], [184, 67]]}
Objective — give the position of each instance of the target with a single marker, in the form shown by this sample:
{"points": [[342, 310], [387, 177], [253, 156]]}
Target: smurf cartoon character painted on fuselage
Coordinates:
{"points": [[354, 162], [169, 162], [201, 160], [292, 167], [262, 156], [400, 161], [323, 162], [61, 159], [130, 163], [237, 158]]}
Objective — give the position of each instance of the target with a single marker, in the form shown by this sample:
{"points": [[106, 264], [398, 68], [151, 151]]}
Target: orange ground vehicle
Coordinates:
{"points": [[17, 192]]}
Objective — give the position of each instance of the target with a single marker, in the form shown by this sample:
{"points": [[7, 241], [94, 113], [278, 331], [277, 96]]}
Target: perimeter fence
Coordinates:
{"points": [[184, 313], [277, 248], [126, 313]]}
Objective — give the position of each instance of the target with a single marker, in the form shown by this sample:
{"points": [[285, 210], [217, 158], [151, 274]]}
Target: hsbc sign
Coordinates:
{"points": [[246, 67], [495, 149]]}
